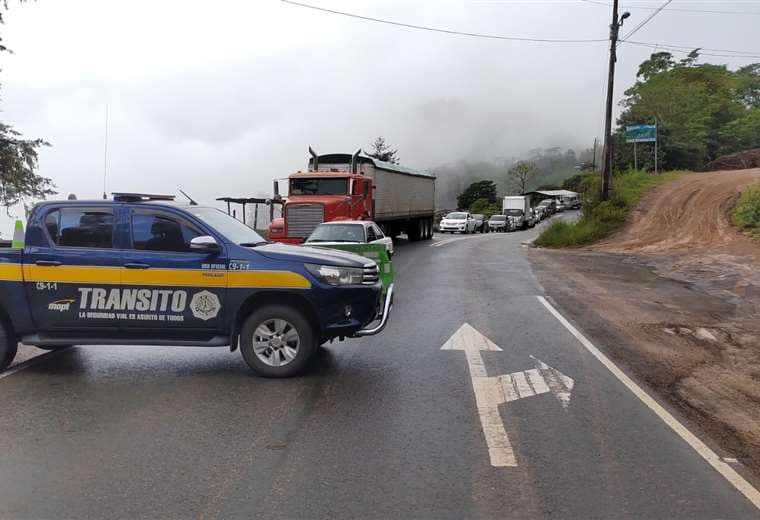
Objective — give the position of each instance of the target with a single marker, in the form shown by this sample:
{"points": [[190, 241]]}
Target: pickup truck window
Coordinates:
{"points": [[231, 228], [158, 232], [75, 227], [323, 186]]}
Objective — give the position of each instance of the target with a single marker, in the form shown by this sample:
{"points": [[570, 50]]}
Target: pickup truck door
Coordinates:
{"points": [[78, 258], [167, 284]]}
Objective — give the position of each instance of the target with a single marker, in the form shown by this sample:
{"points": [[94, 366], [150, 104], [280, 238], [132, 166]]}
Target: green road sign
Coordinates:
{"points": [[641, 134]]}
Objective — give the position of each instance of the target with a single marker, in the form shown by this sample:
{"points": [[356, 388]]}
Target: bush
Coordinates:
{"points": [[598, 218], [746, 213]]}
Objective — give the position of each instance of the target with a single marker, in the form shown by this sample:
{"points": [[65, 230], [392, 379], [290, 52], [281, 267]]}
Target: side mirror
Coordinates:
{"points": [[204, 243]]}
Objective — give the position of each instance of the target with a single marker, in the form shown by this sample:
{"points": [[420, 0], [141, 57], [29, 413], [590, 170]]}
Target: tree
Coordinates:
{"points": [[382, 152], [691, 104], [19, 160], [477, 190], [485, 208], [521, 174]]}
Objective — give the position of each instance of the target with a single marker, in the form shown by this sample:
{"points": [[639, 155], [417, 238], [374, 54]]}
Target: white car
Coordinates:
{"points": [[457, 222], [349, 232]]}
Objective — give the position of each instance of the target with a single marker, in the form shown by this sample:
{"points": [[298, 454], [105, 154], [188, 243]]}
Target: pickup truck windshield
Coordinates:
{"points": [[234, 230], [337, 233], [323, 186]]}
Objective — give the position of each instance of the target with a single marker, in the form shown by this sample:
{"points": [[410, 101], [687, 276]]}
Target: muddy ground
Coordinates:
{"points": [[674, 297]]}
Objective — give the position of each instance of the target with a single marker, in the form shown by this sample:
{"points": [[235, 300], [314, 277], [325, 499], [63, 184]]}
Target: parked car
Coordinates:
{"points": [[457, 222], [349, 232], [499, 223], [536, 215], [481, 224], [548, 206], [560, 206]]}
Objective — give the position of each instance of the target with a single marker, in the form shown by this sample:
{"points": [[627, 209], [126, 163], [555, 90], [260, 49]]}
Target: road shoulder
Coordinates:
{"points": [[695, 348]]}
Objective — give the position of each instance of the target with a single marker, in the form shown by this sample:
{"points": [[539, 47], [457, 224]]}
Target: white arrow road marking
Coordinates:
{"points": [[490, 392]]}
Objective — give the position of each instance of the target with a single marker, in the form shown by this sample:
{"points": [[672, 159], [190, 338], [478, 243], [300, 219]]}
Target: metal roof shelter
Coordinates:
{"points": [[555, 193], [243, 201]]}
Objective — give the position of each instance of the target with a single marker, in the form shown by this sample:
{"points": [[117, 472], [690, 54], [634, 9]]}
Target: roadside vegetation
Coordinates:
{"points": [[600, 218], [746, 213]]}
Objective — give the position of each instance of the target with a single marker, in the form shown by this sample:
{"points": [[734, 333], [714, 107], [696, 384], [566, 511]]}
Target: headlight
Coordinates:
{"points": [[333, 275]]}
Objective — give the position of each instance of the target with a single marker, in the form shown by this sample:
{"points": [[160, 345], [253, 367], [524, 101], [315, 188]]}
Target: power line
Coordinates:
{"points": [[678, 9], [702, 51], [646, 20], [440, 30]]}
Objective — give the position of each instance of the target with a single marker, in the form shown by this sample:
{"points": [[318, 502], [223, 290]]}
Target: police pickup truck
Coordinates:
{"points": [[143, 270]]}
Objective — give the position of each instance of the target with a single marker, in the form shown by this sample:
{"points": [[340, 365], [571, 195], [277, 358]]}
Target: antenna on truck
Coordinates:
{"points": [[315, 157], [192, 202]]}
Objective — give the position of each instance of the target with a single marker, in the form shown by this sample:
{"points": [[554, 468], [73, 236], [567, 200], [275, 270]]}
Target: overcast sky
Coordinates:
{"points": [[219, 98]]}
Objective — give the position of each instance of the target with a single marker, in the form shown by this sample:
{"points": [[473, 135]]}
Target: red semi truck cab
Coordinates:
{"points": [[316, 197], [355, 187]]}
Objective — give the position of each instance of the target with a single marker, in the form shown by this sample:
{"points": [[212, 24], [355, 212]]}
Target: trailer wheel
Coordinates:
{"points": [[8, 346], [277, 341]]}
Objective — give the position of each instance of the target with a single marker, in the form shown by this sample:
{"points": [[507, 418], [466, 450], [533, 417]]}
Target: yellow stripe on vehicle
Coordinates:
{"points": [[275, 279], [154, 276], [183, 277], [72, 274], [11, 272]]}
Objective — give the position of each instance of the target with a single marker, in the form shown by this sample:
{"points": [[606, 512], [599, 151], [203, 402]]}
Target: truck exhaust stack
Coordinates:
{"points": [[315, 157], [355, 161]]}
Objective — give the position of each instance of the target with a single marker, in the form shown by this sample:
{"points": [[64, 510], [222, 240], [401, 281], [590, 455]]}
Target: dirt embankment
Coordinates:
{"points": [[675, 297]]}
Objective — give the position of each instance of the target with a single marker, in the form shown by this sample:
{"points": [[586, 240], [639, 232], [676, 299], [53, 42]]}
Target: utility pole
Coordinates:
{"points": [[593, 156], [607, 151]]}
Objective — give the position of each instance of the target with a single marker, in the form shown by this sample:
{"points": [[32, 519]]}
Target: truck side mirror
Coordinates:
{"points": [[205, 243]]}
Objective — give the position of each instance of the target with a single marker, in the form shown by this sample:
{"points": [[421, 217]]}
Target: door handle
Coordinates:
{"points": [[48, 262], [136, 265]]}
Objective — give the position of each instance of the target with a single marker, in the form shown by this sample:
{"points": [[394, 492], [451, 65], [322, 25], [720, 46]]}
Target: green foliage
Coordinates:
{"points": [[575, 183], [18, 162], [742, 133], [600, 218], [382, 152], [746, 213], [477, 190], [484, 207], [694, 106]]}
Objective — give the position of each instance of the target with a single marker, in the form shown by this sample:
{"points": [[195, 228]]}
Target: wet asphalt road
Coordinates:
{"points": [[383, 427]]}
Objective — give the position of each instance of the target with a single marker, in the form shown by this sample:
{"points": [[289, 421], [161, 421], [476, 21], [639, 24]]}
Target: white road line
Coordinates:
{"points": [[29, 362], [744, 487]]}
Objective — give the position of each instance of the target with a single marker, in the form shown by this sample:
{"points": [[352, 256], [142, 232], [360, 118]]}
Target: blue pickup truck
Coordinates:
{"points": [[144, 270]]}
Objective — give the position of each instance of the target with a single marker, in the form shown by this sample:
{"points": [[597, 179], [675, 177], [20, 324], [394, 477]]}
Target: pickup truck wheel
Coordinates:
{"points": [[277, 341], [8, 347]]}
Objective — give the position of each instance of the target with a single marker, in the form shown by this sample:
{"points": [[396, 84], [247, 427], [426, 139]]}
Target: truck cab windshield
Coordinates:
{"points": [[234, 230], [513, 212], [319, 186]]}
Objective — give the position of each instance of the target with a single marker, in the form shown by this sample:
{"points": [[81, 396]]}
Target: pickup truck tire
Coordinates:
{"points": [[8, 347], [277, 341]]}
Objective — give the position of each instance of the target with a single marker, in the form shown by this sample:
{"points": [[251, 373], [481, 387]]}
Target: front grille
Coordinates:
{"points": [[370, 276], [303, 218]]}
